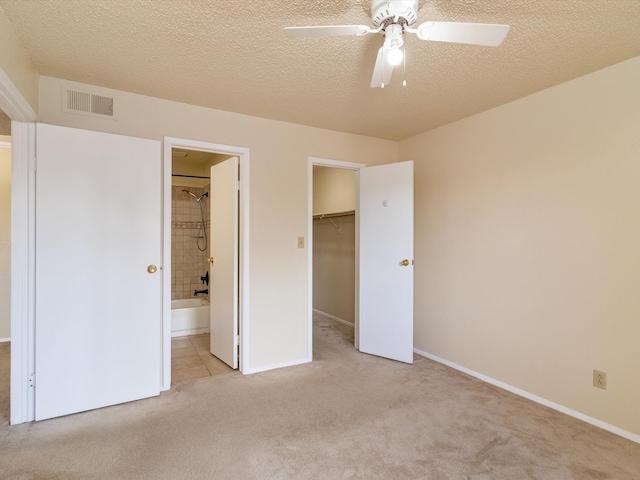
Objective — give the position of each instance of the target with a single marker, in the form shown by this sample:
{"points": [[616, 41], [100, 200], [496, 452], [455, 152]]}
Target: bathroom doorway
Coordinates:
{"points": [[191, 356], [190, 233], [195, 344]]}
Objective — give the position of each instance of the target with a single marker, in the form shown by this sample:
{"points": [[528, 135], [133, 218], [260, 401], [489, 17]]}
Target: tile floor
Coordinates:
{"points": [[190, 359]]}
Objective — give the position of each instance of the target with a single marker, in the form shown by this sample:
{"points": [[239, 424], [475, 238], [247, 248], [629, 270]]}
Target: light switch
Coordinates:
{"points": [[300, 242]]}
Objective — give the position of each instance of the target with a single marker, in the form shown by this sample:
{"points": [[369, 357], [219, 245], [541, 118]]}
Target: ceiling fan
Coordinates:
{"points": [[394, 18]]}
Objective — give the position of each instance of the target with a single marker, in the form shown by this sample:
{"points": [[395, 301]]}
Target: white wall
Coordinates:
{"points": [[5, 237], [279, 152], [528, 243]]}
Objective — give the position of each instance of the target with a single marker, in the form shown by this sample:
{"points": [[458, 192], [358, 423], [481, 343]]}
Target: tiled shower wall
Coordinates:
{"points": [[188, 263]]}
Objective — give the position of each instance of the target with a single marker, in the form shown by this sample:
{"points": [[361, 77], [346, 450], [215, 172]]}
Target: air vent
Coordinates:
{"points": [[85, 103]]}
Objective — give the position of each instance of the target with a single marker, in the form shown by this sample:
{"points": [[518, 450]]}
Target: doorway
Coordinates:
{"points": [[334, 245], [189, 169], [22, 116], [192, 355], [5, 266], [332, 207], [383, 319]]}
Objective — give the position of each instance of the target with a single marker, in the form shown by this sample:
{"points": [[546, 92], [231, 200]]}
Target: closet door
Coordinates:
{"points": [[98, 275], [385, 238]]}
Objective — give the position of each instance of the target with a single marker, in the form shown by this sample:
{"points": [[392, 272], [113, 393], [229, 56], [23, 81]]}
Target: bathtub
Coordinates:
{"points": [[189, 316]]}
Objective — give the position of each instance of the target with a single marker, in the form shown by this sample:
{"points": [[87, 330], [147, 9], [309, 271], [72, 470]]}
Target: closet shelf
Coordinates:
{"points": [[321, 216]]}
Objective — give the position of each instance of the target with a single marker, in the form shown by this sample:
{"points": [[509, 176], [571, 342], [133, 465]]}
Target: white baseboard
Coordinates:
{"points": [[189, 331], [275, 366], [339, 320], [5, 340], [534, 398]]}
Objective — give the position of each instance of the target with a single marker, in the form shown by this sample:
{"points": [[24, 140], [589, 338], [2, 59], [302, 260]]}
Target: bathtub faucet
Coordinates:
{"points": [[205, 291]]}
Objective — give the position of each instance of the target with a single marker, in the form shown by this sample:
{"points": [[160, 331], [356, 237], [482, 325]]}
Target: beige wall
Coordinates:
{"points": [[334, 267], [334, 190], [16, 64], [5, 124], [5, 238], [184, 166], [528, 243], [279, 196]]}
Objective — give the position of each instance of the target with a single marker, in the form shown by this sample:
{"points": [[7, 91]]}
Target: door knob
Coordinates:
{"points": [[404, 263], [152, 269], [210, 259]]}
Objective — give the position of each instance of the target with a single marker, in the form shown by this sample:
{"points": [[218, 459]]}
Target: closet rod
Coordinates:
{"points": [[188, 176], [321, 216]]}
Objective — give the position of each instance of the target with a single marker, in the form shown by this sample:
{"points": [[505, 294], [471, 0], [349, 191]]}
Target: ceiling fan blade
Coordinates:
{"points": [[382, 71], [326, 31], [490, 35]]}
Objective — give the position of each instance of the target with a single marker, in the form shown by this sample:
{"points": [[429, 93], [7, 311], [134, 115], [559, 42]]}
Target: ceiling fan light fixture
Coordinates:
{"points": [[395, 56], [403, 8], [393, 43], [395, 18]]}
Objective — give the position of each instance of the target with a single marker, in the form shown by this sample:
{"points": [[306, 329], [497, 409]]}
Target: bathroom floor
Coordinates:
{"points": [[190, 359]]}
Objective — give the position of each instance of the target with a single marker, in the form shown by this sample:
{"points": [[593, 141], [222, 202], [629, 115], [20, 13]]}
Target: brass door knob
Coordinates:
{"points": [[210, 259], [404, 263], [152, 269]]}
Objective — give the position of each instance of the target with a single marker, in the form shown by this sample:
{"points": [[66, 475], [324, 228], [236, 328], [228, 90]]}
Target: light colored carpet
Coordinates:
{"points": [[346, 415], [5, 375]]}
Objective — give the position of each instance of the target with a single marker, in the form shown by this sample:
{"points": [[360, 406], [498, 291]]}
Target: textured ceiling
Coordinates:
{"points": [[233, 55]]}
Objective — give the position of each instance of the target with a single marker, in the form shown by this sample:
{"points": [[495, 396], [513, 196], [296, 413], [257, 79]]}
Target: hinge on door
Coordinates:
{"points": [[32, 380], [238, 185], [237, 340]]}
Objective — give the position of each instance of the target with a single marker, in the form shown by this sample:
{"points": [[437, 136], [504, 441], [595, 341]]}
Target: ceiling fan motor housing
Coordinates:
{"points": [[385, 12], [393, 36]]}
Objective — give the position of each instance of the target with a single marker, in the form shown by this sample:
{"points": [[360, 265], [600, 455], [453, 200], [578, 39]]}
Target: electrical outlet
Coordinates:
{"points": [[300, 242], [600, 379]]}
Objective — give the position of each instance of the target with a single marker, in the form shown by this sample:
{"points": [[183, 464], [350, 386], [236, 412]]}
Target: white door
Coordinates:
{"points": [[223, 273], [385, 276], [98, 300]]}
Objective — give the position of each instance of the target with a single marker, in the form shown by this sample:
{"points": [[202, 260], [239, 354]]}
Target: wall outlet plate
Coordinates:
{"points": [[600, 379]]}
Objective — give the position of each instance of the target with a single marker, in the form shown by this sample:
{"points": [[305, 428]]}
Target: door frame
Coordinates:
{"points": [[23, 142], [324, 162], [243, 154]]}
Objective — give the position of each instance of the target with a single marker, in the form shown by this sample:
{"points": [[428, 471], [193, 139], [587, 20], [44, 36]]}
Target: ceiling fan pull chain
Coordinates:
{"points": [[404, 65], [382, 70]]}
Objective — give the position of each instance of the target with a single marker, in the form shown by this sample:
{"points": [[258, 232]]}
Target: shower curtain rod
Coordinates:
{"points": [[188, 176]]}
